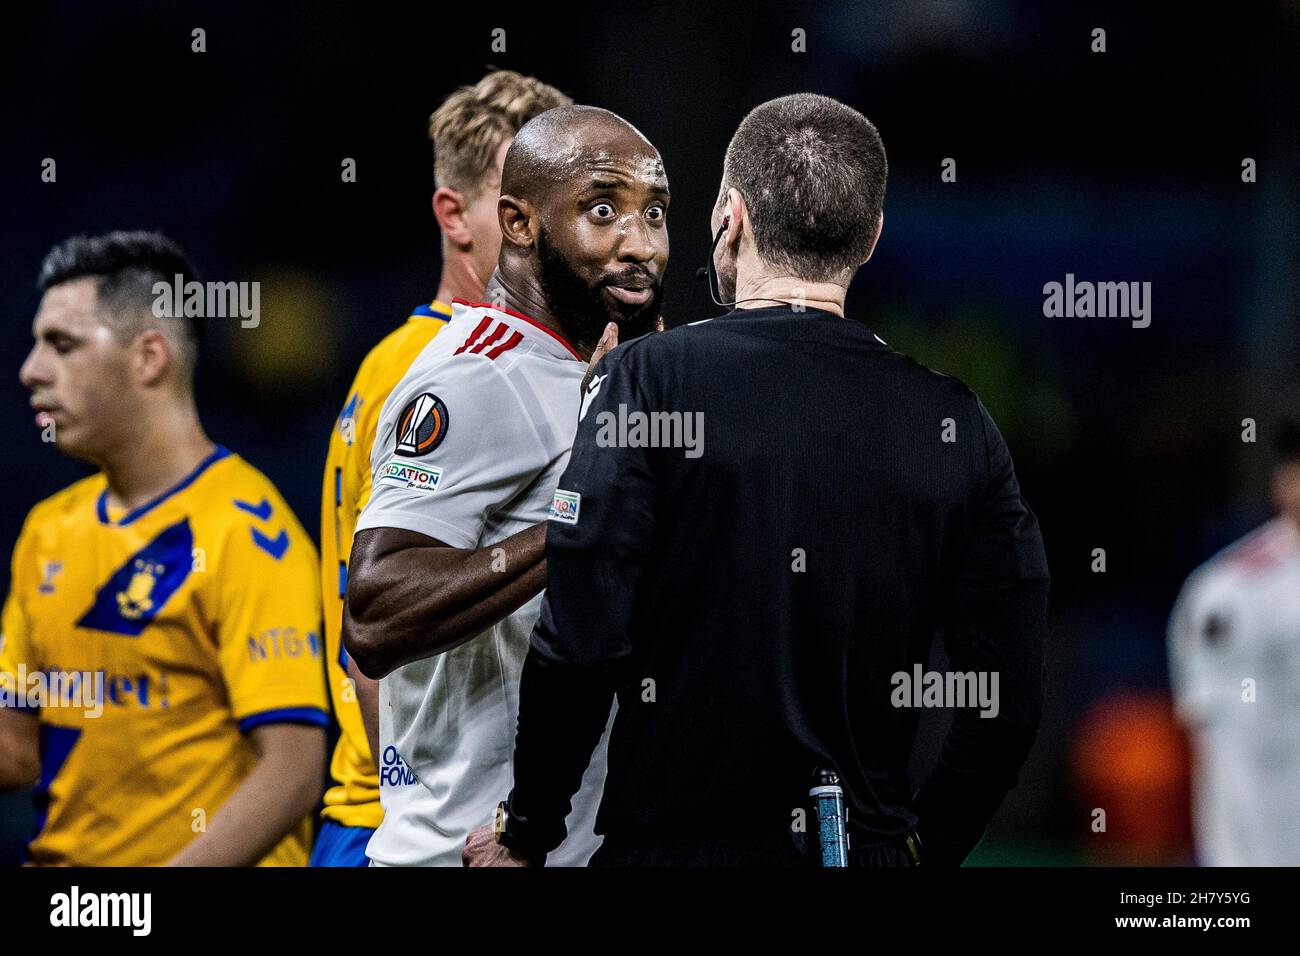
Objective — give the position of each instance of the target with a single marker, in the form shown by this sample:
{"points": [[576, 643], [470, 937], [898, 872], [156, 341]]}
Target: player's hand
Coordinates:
{"points": [[608, 339], [482, 848]]}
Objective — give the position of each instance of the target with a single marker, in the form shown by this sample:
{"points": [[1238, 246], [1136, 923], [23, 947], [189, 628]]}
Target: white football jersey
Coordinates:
{"points": [[1234, 653], [469, 450]]}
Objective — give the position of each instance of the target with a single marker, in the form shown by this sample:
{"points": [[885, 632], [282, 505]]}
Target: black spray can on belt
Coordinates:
{"points": [[832, 818]]}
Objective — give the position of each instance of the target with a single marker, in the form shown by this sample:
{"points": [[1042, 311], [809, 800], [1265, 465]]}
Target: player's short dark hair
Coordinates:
{"points": [[126, 265], [812, 172]]}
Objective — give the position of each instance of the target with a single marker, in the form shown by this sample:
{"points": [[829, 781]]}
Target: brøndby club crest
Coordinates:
{"points": [[137, 599]]}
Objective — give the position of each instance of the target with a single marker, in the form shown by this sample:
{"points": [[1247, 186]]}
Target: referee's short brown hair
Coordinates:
{"points": [[812, 172]]}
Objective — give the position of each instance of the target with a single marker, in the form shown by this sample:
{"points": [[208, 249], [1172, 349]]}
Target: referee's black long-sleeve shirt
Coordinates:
{"points": [[749, 599]]}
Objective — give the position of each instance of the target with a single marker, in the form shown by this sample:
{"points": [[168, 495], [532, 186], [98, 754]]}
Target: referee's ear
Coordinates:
{"points": [[738, 213], [880, 226], [518, 219]]}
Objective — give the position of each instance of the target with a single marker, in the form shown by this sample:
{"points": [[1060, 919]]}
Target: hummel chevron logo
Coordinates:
{"points": [[275, 547], [260, 511]]}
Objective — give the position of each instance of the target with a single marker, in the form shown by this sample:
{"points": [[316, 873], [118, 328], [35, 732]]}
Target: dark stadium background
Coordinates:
{"points": [[1117, 166]]}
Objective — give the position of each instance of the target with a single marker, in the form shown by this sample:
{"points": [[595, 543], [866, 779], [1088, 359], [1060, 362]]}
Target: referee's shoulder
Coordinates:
{"points": [[886, 365], [657, 350], [676, 338], [926, 377], [646, 349]]}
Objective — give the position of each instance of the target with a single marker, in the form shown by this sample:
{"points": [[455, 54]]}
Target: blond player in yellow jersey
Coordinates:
{"points": [[471, 132], [161, 680]]}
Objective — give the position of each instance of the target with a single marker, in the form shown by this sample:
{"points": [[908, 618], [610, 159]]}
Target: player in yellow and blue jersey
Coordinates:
{"points": [[471, 132], [161, 677]]}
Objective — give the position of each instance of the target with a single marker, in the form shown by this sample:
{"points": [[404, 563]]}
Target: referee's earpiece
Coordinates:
{"points": [[715, 292]]}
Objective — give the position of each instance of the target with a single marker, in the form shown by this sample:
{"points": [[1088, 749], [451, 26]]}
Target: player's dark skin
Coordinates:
{"points": [[601, 192]]}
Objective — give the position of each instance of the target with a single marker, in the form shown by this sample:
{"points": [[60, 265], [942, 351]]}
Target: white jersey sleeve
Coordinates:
{"points": [[1204, 643], [454, 443], [1234, 655]]}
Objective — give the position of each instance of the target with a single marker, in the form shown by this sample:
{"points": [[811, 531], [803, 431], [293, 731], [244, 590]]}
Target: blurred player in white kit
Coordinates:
{"points": [[1234, 656]]}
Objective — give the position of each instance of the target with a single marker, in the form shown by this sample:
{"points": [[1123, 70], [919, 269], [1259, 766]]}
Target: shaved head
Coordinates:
{"points": [[583, 208], [555, 145]]}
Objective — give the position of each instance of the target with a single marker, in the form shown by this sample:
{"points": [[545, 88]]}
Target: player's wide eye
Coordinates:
{"points": [[656, 213], [603, 210]]}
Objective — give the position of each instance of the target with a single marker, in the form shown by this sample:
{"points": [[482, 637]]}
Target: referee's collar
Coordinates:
{"points": [[788, 311]]}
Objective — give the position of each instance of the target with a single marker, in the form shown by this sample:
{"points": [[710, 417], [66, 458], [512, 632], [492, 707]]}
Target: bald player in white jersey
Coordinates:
{"points": [[1234, 655], [448, 563], [470, 447]]}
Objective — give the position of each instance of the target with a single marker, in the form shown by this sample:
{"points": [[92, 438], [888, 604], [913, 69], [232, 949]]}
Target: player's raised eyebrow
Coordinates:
{"points": [[604, 182]]}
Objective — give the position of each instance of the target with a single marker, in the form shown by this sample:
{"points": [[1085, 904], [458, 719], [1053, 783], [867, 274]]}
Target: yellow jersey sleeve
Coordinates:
{"points": [[268, 628], [17, 655], [353, 800]]}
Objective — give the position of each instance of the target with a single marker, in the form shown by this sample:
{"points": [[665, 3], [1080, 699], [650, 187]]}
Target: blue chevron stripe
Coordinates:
{"points": [[275, 547], [261, 511]]}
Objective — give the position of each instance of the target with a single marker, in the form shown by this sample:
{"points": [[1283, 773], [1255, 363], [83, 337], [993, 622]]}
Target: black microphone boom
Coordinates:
{"points": [[708, 272]]}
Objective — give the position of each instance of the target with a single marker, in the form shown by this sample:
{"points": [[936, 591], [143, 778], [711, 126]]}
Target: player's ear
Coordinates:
{"points": [[151, 357], [880, 226], [449, 208], [518, 221]]}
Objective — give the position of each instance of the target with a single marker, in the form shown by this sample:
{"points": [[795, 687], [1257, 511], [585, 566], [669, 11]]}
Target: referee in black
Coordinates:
{"points": [[749, 571]]}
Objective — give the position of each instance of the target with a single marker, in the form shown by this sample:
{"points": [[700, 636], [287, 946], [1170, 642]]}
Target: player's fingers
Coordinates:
{"points": [[608, 339]]}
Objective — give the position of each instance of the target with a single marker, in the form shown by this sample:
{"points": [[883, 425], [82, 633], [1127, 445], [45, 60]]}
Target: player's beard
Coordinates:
{"points": [[581, 307]]}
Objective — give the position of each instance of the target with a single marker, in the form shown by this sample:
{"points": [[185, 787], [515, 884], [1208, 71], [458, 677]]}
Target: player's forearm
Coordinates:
{"points": [[282, 789], [368, 703], [483, 607], [412, 602], [434, 626], [16, 773], [20, 760]]}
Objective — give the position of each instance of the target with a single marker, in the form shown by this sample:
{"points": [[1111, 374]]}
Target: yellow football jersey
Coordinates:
{"points": [[194, 618], [353, 801]]}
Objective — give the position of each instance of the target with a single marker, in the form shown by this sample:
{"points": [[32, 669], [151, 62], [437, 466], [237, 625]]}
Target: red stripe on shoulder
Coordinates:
{"points": [[492, 339], [527, 318], [507, 345], [473, 337]]}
